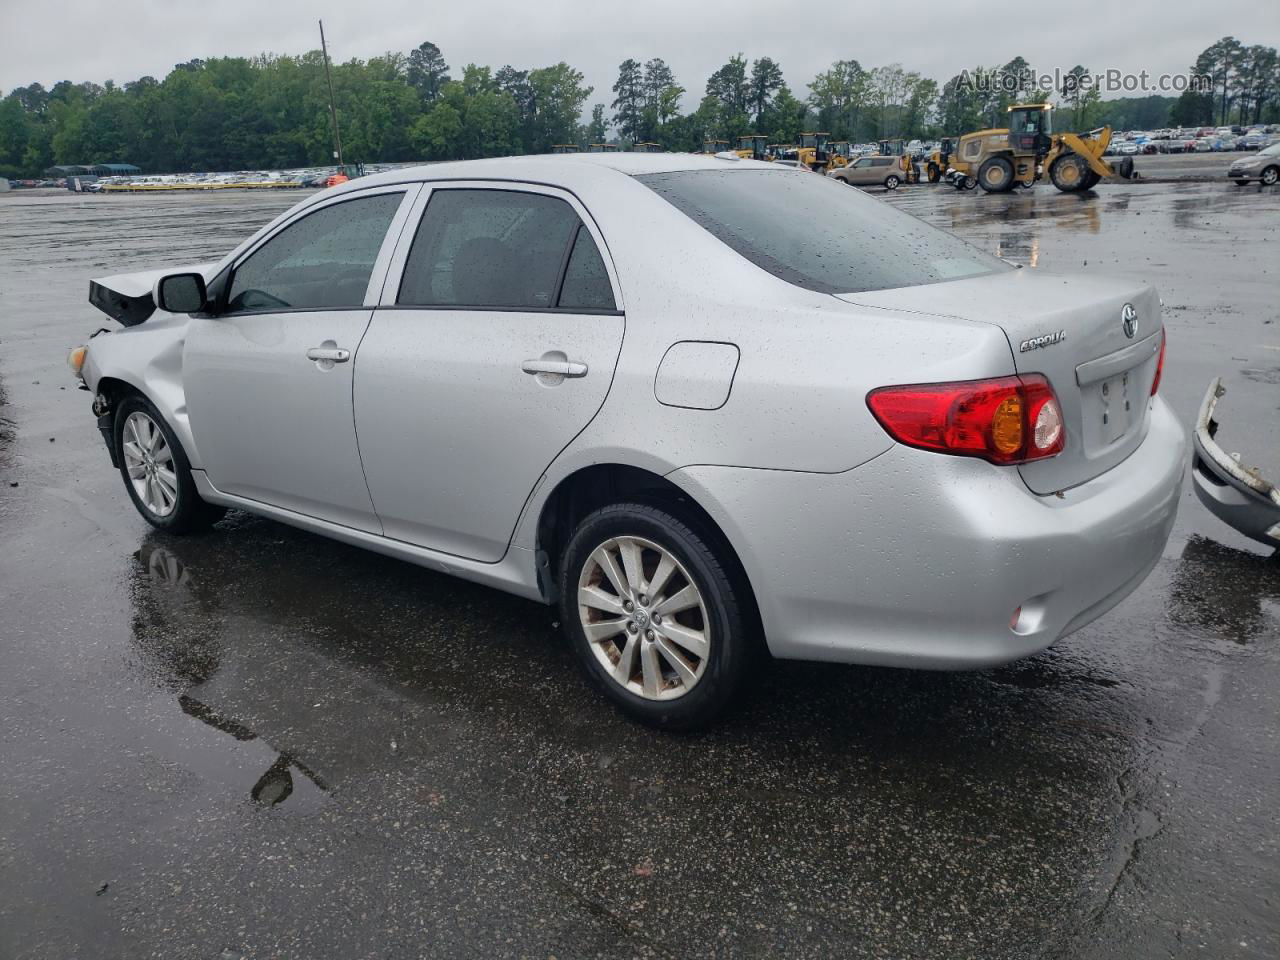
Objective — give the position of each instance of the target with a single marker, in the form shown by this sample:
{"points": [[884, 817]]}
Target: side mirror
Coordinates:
{"points": [[181, 293]]}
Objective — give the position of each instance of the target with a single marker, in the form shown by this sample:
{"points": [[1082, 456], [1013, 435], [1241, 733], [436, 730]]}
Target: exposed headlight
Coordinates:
{"points": [[75, 359]]}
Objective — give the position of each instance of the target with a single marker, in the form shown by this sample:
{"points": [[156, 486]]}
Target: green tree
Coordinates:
{"points": [[766, 80], [839, 97], [629, 102], [558, 96], [426, 71]]}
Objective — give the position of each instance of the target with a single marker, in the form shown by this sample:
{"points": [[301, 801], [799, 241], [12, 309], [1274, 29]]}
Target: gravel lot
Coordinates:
{"points": [[264, 744]]}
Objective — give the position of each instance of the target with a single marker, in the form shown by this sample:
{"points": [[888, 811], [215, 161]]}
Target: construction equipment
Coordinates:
{"points": [[753, 146], [939, 161], [345, 172], [812, 151], [712, 147], [1020, 154], [839, 154], [646, 146], [602, 148], [906, 163], [566, 148]]}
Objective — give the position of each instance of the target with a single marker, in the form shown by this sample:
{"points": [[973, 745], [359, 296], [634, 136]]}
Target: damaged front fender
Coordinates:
{"points": [[1236, 494]]}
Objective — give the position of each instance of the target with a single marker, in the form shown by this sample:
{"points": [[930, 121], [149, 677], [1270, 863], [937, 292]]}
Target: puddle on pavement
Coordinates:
{"points": [[1233, 593], [244, 762]]}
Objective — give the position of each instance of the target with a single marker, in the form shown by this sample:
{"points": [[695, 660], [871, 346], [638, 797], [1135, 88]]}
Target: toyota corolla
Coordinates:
{"points": [[711, 408]]}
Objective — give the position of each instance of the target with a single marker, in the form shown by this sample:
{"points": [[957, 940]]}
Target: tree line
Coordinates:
{"points": [[235, 113]]}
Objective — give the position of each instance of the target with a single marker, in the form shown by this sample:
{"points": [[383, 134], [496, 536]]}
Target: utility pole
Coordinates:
{"points": [[333, 114]]}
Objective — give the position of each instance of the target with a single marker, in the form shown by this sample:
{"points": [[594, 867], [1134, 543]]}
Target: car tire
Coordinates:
{"points": [[156, 472], [996, 175], [676, 674], [1269, 176], [891, 182]]}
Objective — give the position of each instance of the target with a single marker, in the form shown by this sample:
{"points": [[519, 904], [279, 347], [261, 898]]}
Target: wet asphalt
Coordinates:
{"points": [[260, 743]]}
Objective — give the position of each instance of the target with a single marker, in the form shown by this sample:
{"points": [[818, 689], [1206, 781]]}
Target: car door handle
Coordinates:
{"points": [[563, 368], [332, 354]]}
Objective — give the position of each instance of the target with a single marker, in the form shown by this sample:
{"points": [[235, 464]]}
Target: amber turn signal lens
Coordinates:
{"points": [[75, 359], [1006, 425]]}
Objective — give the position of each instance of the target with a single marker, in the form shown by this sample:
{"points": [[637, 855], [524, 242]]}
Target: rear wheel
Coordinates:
{"points": [[891, 182], [156, 472], [1069, 172], [995, 175], [934, 172], [655, 616]]}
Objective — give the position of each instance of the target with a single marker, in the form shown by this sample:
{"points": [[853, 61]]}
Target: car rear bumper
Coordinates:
{"points": [[919, 560]]}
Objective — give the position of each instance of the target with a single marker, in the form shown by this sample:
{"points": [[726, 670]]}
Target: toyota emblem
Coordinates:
{"points": [[1129, 319]]}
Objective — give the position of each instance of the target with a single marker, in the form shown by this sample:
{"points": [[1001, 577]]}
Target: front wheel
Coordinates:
{"points": [[1270, 176], [655, 616], [1069, 172], [891, 182], [996, 175], [934, 172], [156, 472]]}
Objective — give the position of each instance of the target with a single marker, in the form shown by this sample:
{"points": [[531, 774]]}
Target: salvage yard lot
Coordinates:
{"points": [[261, 743]]}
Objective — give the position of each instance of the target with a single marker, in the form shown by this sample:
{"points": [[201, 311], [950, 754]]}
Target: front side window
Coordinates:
{"points": [[322, 261], [814, 233], [493, 248]]}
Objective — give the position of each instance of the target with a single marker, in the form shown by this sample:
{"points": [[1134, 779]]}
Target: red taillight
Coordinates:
{"points": [[1155, 384], [1006, 420]]}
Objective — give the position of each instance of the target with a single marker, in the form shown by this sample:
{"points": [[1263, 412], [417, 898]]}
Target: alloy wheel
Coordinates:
{"points": [[148, 459], [644, 618]]}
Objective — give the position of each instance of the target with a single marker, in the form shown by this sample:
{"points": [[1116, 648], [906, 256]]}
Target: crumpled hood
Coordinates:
{"points": [[127, 297]]}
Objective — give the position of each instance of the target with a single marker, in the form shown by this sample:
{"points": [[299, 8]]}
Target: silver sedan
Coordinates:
{"points": [[711, 408]]}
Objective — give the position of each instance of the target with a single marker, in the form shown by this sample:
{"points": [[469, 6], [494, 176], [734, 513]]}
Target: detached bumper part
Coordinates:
{"points": [[1237, 495]]}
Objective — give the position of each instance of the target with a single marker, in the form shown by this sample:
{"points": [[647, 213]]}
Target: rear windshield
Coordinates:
{"points": [[818, 233]]}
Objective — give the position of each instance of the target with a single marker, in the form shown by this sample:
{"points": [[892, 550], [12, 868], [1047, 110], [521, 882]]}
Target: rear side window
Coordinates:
{"points": [[818, 234], [586, 282], [322, 261], [490, 248]]}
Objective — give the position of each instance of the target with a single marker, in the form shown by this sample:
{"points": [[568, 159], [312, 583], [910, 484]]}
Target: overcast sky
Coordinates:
{"points": [[125, 39]]}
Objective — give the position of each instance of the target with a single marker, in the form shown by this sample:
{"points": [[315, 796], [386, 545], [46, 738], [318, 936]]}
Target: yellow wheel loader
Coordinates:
{"points": [[1018, 155], [566, 148], [712, 147], [812, 152], [839, 154], [754, 146], [906, 162], [940, 160], [602, 148], [646, 146]]}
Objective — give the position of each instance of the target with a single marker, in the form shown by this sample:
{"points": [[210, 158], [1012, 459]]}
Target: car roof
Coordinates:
{"points": [[561, 169]]}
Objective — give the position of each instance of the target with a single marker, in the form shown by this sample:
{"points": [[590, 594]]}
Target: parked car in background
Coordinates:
{"points": [[1251, 141], [870, 445], [871, 171], [1263, 166]]}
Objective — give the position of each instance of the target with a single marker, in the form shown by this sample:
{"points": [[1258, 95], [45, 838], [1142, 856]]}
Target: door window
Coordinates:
{"points": [[586, 282], [322, 261], [496, 248]]}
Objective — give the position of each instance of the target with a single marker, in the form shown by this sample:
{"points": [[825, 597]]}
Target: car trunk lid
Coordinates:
{"points": [[1097, 340]]}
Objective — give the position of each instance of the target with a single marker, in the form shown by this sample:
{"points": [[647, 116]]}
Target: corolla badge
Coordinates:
{"points": [[1129, 319], [1048, 340]]}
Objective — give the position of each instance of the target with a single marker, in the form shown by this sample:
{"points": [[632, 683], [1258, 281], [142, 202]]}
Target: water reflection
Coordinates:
{"points": [[179, 651], [1234, 593]]}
